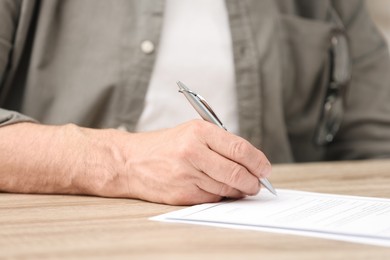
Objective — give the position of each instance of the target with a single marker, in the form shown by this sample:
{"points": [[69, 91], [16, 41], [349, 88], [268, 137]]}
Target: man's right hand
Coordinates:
{"points": [[195, 162]]}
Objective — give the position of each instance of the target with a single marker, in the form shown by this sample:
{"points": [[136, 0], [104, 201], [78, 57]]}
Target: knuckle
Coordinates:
{"points": [[239, 149], [239, 180], [196, 127], [200, 128], [187, 148], [224, 190], [184, 151], [236, 174]]}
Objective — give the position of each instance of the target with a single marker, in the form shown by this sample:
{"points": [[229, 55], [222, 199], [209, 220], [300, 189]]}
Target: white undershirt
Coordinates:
{"points": [[196, 49]]}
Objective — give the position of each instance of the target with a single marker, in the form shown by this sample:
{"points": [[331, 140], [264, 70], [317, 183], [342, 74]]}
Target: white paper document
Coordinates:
{"points": [[349, 218]]}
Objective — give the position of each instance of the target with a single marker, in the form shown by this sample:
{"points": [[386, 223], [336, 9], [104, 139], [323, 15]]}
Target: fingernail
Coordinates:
{"points": [[267, 169]]}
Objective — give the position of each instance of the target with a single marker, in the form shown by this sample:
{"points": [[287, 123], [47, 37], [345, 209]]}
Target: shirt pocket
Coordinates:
{"points": [[306, 57]]}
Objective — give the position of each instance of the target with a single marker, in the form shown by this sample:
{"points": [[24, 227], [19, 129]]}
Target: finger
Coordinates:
{"points": [[227, 172], [189, 193], [210, 185], [238, 150], [199, 197]]}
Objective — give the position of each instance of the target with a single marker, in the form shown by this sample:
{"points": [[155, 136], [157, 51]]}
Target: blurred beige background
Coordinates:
{"points": [[380, 12]]}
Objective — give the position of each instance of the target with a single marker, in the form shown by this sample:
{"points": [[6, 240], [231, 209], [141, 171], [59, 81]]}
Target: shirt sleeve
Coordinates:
{"points": [[365, 131], [9, 16], [8, 117], [9, 12]]}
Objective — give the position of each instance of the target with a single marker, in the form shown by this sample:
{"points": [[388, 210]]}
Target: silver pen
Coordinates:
{"points": [[207, 113]]}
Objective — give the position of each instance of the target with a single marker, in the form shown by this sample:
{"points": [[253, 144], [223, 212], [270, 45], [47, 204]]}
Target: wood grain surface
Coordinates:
{"points": [[82, 227]]}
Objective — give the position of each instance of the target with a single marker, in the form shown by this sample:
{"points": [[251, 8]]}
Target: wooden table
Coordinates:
{"points": [[45, 226]]}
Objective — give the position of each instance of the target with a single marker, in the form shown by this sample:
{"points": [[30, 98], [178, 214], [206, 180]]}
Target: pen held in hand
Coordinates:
{"points": [[207, 113]]}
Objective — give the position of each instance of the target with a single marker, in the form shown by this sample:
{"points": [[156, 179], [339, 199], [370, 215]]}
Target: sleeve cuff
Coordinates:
{"points": [[8, 117]]}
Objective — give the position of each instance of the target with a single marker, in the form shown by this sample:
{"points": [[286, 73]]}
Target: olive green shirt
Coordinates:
{"points": [[82, 62]]}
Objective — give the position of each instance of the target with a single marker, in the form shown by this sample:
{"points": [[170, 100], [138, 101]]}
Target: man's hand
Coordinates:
{"points": [[195, 162]]}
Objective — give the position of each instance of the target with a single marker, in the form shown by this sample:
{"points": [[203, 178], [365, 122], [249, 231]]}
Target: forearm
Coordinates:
{"points": [[195, 162], [57, 159]]}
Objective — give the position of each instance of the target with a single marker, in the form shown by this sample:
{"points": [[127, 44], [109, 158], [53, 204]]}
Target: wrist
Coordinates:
{"points": [[97, 161]]}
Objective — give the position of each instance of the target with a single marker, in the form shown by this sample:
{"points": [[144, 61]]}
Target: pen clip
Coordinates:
{"points": [[183, 88], [204, 102]]}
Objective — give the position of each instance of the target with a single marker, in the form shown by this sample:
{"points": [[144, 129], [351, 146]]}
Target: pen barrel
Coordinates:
{"points": [[205, 111]]}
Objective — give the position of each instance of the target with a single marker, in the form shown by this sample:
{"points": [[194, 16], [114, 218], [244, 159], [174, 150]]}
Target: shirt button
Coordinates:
{"points": [[122, 128], [147, 47]]}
